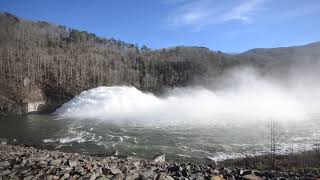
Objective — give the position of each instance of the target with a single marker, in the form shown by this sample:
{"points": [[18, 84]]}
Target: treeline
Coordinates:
{"points": [[64, 62]]}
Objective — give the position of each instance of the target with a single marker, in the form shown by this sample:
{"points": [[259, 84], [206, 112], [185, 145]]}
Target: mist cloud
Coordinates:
{"points": [[244, 96]]}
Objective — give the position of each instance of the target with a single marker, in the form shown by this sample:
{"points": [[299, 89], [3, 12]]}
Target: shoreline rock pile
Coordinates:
{"points": [[27, 163]]}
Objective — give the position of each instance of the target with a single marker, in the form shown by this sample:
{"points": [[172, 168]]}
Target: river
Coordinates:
{"points": [[178, 142]]}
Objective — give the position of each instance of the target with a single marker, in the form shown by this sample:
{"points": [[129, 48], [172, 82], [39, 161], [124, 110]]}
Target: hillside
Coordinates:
{"points": [[43, 65], [286, 56], [311, 51], [45, 62]]}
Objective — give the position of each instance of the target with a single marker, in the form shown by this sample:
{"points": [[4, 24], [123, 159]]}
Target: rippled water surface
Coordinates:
{"points": [[202, 143]]}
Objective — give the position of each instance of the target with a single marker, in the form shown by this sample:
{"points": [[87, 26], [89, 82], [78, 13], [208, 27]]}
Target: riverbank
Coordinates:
{"points": [[17, 162]]}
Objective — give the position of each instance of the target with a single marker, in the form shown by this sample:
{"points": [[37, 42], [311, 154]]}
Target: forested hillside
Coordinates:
{"points": [[49, 64], [42, 61]]}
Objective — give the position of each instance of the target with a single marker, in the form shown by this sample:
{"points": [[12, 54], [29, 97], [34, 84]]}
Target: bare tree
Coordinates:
{"points": [[63, 62], [276, 138]]}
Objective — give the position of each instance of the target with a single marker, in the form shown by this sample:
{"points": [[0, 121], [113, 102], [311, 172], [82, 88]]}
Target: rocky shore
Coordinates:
{"points": [[17, 162]]}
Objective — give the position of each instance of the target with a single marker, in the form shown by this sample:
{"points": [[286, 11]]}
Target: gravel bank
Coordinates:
{"points": [[18, 162]]}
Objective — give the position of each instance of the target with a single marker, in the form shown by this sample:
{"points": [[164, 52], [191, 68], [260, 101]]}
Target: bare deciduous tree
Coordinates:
{"points": [[276, 138]]}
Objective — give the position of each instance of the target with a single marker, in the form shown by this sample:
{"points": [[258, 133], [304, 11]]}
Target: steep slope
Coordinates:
{"points": [[42, 62]]}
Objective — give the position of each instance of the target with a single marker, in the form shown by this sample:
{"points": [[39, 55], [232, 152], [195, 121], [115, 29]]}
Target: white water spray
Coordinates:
{"points": [[250, 98]]}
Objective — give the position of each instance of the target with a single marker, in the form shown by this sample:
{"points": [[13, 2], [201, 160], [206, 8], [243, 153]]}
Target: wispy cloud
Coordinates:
{"points": [[196, 13], [199, 13], [243, 12]]}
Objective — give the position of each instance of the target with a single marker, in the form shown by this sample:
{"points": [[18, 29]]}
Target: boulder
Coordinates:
{"points": [[93, 176], [4, 164], [6, 172], [217, 177], [115, 171], [252, 177], [72, 163], [161, 158], [163, 176], [147, 174], [118, 177]]}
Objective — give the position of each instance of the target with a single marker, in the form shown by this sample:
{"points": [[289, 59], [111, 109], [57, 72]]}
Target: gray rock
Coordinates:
{"points": [[4, 164], [6, 172], [23, 163], [72, 163], [115, 171], [244, 172], [49, 170], [113, 157], [257, 173], [161, 158], [28, 177], [118, 177], [93, 176], [80, 171], [148, 174], [24, 172], [132, 177], [281, 178], [216, 171], [16, 166], [252, 177], [40, 174], [185, 173], [49, 177], [229, 176], [43, 163], [136, 163], [65, 176], [56, 162], [113, 164], [116, 153], [102, 178], [198, 176], [30, 162], [13, 174], [197, 168], [106, 160], [60, 173], [188, 167], [3, 143], [163, 176]]}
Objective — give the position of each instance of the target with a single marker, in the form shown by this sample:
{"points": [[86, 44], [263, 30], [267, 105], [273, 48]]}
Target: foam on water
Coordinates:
{"points": [[74, 135]]}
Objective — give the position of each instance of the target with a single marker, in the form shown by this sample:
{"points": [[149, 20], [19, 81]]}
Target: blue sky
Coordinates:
{"points": [[226, 25]]}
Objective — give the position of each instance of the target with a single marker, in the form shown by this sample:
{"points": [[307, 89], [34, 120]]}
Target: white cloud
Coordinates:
{"points": [[199, 13], [243, 12], [190, 14]]}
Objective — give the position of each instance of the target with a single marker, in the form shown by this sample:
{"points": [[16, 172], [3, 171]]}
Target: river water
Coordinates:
{"points": [[178, 142]]}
